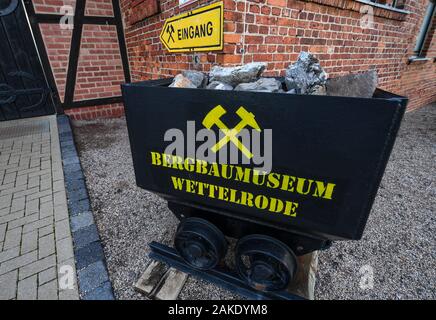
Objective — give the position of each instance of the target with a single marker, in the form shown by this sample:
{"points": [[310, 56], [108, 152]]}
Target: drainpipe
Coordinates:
{"points": [[424, 29]]}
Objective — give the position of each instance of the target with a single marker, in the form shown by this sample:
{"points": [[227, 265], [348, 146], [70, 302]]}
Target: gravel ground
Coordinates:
{"points": [[398, 245]]}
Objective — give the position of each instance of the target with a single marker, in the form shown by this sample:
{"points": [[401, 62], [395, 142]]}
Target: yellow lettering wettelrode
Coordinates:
{"points": [[197, 30]]}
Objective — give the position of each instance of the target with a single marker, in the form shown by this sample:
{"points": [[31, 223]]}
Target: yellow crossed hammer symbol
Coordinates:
{"points": [[247, 119]]}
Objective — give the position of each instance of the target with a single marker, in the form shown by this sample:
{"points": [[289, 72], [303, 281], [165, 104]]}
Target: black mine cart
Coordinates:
{"points": [[326, 157]]}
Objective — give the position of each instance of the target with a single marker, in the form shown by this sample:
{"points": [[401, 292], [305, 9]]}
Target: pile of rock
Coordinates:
{"points": [[305, 76], [232, 78]]}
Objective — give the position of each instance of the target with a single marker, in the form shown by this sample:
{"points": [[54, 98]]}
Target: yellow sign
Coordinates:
{"points": [[197, 30]]}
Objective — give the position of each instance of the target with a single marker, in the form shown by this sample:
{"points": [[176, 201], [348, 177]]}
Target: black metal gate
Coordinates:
{"points": [[24, 91]]}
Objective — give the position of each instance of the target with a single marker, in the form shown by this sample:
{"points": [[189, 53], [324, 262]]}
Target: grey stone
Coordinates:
{"points": [[5, 201], [45, 230], [58, 186], [198, 79], [72, 167], [78, 207], [11, 218], [64, 249], [68, 148], [8, 285], [92, 276], [62, 229], [319, 90], [217, 85], [46, 199], [81, 220], [181, 81], [2, 231], [37, 224], [47, 275], [32, 205], [18, 204], [71, 160], [37, 266], [306, 75], [69, 294], [63, 129], [73, 174], [76, 195], [103, 292], [86, 235], [23, 221], [29, 242], [74, 184], [46, 246], [13, 238], [27, 288], [89, 254], [9, 254], [48, 291], [60, 198], [235, 75], [66, 135], [64, 123], [360, 85], [261, 85], [18, 262], [46, 209], [60, 213]]}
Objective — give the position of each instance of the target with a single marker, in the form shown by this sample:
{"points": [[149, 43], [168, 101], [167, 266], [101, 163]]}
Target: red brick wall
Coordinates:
{"points": [[277, 30], [99, 8], [114, 110], [418, 80], [100, 71], [51, 6], [57, 44]]}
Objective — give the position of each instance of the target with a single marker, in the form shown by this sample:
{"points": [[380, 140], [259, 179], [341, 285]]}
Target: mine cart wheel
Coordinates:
{"points": [[200, 243], [265, 263]]}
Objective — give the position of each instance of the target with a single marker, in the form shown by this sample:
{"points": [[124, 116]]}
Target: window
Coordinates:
{"points": [[399, 4], [426, 33]]}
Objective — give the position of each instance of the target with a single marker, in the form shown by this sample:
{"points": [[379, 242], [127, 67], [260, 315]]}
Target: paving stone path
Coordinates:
{"points": [[36, 249]]}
